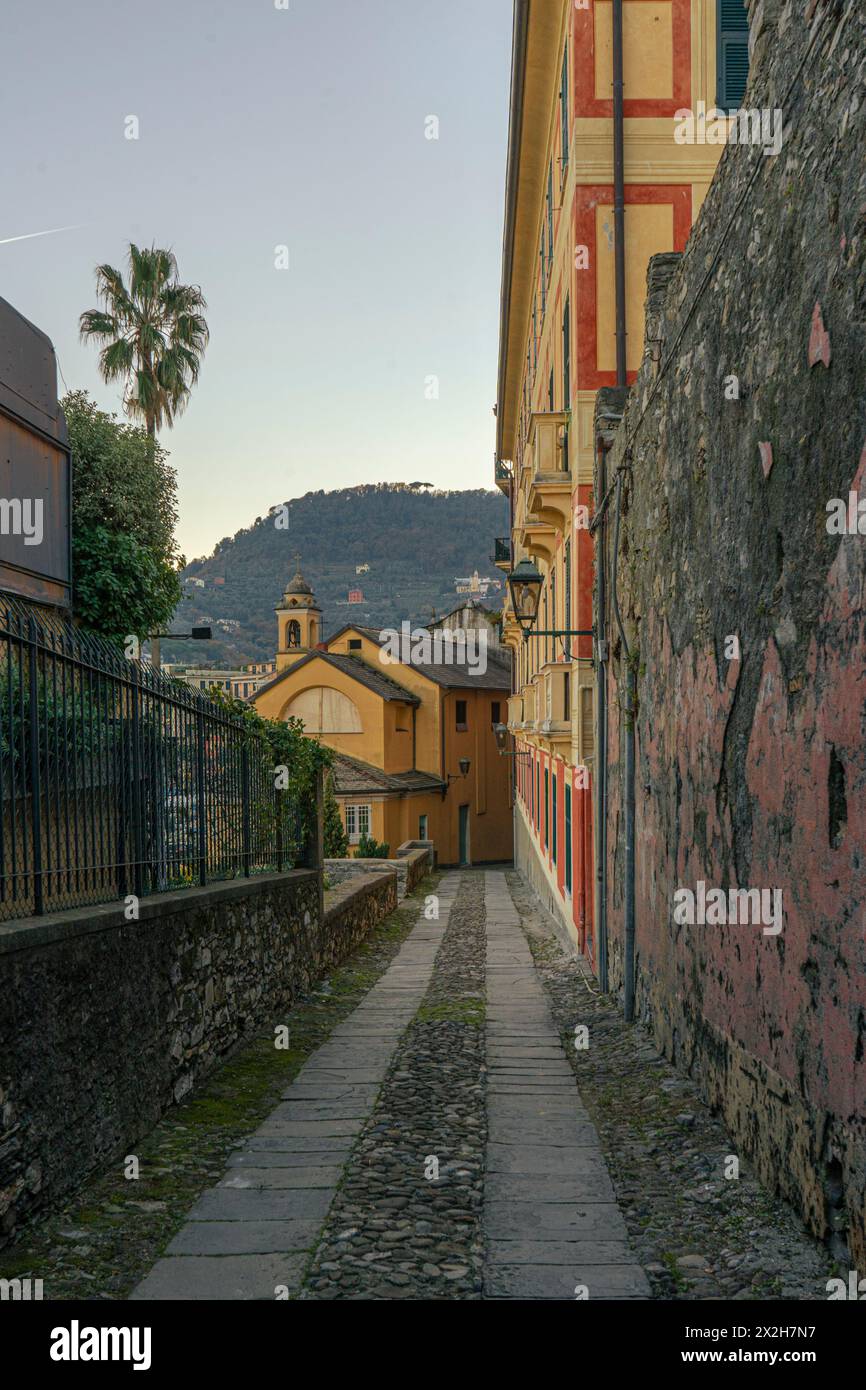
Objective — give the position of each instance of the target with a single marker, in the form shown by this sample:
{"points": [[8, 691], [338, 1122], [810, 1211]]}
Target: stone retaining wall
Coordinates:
{"points": [[106, 1023], [745, 619], [409, 868]]}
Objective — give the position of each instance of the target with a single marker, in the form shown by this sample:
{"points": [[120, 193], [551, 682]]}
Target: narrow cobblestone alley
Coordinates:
{"points": [[438, 1146]]}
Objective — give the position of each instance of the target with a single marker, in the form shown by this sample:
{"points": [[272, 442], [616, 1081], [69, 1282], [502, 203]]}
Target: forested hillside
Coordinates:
{"points": [[417, 543]]}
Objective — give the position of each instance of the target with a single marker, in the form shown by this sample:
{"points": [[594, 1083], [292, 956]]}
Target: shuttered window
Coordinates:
{"points": [[732, 53], [546, 808], [564, 116], [550, 217], [566, 356], [587, 733], [567, 838]]}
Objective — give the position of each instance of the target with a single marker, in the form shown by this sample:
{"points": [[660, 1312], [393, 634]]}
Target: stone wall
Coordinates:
{"points": [[409, 869], [106, 1023], [745, 421], [355, 905]]}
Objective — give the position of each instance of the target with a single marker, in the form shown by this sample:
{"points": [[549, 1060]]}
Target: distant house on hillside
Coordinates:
{"points": [[470, 616], [356, 596]]}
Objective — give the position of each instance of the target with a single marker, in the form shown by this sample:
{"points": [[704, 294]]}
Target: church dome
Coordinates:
{"points": [[298, 585], [298, 593]]}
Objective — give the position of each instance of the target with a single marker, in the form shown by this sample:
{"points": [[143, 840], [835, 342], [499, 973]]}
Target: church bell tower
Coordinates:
{"points": [[299, 620]]}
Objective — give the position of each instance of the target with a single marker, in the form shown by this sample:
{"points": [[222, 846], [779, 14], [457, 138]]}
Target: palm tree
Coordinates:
{"points": [[153, 334]]}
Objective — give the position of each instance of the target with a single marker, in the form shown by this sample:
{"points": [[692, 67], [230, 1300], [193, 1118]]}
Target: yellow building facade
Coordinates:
{"points": [[415, 751], [566, 331]]}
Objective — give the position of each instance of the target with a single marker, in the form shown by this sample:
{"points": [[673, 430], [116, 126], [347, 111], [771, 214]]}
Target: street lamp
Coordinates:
{"points": [[198, 634], [500, 733], [464, 764], [525, 582]]}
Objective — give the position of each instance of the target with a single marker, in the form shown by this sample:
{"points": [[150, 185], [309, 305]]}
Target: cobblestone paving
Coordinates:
{"points": [[697, 1234], [396, 1230], [250, 1237], [449, 1142]]}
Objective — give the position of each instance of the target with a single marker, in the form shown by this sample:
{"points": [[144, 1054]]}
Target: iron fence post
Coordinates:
{"points": [[35, 772], [279, 797], [315, 856], [245, 782], [199, 799], [137, 848]]}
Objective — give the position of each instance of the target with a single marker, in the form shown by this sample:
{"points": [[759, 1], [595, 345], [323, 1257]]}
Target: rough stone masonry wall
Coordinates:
{"points": [[105, 1023], [752, 773], [409, 868]]}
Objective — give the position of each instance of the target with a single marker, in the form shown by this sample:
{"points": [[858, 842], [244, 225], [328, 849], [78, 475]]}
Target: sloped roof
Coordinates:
{"points": [[353, 777], [357, 669], [451, 676], [374, 633]]}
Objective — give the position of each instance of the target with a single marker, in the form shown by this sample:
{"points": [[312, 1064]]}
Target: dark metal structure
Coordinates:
{"points": [[115, 780], [35, 466]]}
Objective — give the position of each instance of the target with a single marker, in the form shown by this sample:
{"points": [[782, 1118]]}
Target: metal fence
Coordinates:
{"points": [[116, 780]]}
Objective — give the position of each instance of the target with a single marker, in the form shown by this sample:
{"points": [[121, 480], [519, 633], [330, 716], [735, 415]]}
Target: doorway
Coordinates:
{"points": [[465, 861]]}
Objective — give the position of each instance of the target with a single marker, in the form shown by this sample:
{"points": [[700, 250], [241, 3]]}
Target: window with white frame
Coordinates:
{"points": [[357, 822]]}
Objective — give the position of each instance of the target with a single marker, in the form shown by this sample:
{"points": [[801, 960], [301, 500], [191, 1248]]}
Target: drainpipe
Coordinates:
{"points": [[600, 623], [618, 194], [629, 777], [630, 702]]}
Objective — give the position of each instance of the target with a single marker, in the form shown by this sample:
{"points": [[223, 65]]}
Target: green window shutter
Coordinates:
{"points": [[732, 44], [564, 111], [567, 838]]}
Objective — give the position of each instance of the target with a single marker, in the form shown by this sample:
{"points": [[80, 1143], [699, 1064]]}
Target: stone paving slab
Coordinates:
{"points": [[560, 1282], [229, 1204], [594, 1185], [243, 1237], [555, 1132], [559, 1252], [508, 1083], [538, 1220], [235, 1277], [243, 1178], [332, 1091], [555, 1160], [283, 1127], [302, 1147], [543, 1105]]}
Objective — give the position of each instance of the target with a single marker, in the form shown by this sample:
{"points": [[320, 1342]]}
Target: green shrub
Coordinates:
{"points": [[368, 848]]}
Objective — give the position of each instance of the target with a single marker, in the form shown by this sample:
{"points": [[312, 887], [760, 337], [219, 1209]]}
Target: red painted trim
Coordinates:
{"points": [[587, 104], [586, 199]]}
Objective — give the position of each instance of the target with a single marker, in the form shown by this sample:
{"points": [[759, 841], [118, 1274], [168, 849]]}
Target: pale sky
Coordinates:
{"points": [[261, 127]]}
